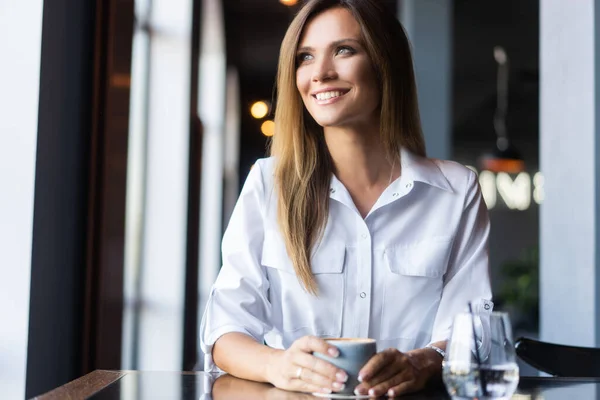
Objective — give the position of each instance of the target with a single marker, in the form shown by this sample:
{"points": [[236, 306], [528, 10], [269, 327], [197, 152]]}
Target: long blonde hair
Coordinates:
{"points": [[304, 167]]}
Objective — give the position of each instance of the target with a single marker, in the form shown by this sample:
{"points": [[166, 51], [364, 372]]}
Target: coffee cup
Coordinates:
{"points": [[354, 354]]}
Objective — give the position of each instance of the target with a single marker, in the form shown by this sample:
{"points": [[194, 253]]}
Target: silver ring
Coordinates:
{"points": [[299, 373]]}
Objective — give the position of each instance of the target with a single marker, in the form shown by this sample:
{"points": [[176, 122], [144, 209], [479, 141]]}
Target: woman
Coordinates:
{"points": [[348, 230]]}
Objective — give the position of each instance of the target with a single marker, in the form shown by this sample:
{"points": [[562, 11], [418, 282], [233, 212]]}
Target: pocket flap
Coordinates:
{"points": [[327, 259], [428, 257]]}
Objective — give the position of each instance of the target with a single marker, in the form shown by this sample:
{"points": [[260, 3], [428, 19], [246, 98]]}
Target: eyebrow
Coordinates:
{"points": [[332, 44]]}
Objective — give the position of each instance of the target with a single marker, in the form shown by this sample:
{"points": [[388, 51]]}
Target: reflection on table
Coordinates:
{"points": [[133, 385]]}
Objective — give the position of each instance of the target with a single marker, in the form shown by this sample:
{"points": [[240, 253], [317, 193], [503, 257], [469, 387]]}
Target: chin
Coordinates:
{"points": [[325, 123], [328, 121]]}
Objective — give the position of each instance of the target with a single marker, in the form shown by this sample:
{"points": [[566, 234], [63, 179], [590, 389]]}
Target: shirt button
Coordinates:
{"points": [[395, 194], [363, 295], [332, 190], [364, 235], [409, 185], [487, 306]]}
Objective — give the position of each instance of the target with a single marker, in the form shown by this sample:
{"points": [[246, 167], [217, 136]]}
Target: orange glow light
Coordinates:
{"points": [[503, 165], [288, 2], [268, 128]]}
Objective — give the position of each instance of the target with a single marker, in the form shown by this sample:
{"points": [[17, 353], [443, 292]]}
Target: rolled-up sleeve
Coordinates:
{"points": [[238, 301], [467, 278]]}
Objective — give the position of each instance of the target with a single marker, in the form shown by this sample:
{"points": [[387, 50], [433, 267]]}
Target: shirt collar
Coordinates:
{"points": [[414, 168], [421, 169]]}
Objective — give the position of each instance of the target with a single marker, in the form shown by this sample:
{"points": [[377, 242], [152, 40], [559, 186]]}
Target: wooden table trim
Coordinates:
{"points": [[84, 387]]}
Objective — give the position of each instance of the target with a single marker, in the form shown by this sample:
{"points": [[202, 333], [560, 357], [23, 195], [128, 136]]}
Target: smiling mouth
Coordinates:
{"points": [[334, 94]]}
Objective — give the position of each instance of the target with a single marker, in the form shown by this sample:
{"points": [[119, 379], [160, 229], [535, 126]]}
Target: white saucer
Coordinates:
{"points": [[342, 396]]}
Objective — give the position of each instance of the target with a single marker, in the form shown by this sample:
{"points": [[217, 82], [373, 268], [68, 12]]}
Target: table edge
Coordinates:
{"points": [[84, 386], [560, 379]]}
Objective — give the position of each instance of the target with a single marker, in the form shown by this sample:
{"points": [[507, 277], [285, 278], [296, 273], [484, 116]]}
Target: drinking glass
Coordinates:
{"points": [[480, 361]]}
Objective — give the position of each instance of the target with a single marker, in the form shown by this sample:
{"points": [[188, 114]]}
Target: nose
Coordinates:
{"points": [[324, 70]]}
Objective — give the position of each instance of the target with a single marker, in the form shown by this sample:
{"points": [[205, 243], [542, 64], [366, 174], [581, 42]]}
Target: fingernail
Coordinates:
{"points": [[338, 386], [371, 392], [358, 392], [391, 393], [360, 378], [342, 377], [326, 390], [333, 352]]}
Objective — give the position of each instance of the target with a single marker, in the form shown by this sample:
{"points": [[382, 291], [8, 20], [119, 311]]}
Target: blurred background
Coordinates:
{"points": [[128, 128]]}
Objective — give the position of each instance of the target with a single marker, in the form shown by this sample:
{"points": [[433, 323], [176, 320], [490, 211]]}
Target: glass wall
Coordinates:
{"points": [[19, 100], [157, 186], [158, 171]]}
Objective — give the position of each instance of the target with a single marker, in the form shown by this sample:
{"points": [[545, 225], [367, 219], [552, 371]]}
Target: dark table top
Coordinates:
{"points": [[126, 385]]}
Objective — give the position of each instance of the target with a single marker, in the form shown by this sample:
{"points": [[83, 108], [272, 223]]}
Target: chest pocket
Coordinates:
{"points": [[295, 312], [426, 258], [413, 287]]}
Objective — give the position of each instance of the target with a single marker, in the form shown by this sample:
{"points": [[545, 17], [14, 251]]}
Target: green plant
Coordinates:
{"points": [[519, 291]]}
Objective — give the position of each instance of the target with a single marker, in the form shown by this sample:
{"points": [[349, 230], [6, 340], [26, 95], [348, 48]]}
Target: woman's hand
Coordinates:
{"points": [[296, 369], [394, 373]]}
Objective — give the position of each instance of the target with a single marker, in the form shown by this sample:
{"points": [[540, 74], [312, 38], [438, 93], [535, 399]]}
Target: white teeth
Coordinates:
{"points": [[328, 95]]}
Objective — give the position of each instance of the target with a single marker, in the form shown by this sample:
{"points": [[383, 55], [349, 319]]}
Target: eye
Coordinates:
{"points": [[303, 57], [345, 50]]}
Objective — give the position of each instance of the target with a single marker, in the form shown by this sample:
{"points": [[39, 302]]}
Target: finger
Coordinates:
{"points": [[306, 383], [403, 388], [377, 386], [387, 385], [393, 368], [309, 344], [321, 367], [383, 376], [307, 387], [316, 379], [375, 364], [370, 371]]}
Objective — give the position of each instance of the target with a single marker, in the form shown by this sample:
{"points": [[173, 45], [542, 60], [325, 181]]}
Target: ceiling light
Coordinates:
{"points": [[259, 109], [288, 2]]}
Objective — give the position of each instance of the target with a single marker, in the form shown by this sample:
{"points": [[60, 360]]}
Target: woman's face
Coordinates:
{"points": [[334, 74]]}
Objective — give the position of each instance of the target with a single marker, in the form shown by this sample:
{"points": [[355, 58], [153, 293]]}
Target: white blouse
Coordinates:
{"points": [[399, 275]]}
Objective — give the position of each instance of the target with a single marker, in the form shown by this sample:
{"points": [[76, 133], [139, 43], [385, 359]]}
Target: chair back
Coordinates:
{"points": [[560, 360]]}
